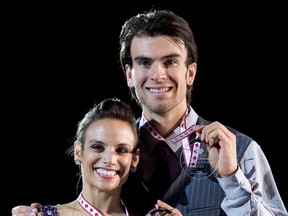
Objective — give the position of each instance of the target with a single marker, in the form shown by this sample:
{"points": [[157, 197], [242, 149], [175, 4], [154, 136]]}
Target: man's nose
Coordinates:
{"points": [[158, 72]]}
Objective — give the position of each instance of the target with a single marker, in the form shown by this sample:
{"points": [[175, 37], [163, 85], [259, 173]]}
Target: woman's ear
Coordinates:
{"points": [[135, 159], [77, 151]]}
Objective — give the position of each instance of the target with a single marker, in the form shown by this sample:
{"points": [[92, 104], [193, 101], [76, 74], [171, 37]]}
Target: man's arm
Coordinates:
{"points": [[252, 189]]}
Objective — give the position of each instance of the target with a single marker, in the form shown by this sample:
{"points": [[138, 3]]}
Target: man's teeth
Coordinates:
{"points": [[159, 90]]}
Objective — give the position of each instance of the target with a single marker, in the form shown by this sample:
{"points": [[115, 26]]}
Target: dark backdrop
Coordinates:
{"points": [[59, 59]]}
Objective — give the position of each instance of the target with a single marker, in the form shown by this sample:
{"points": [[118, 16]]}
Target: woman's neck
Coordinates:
{"points": [[105, 203]]}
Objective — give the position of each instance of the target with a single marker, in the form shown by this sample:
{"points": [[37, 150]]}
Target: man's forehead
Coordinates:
{"points": [[156, 47]]}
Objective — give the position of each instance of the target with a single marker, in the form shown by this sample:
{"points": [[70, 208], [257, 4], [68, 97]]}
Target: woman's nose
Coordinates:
{"points": [[109, 157]]}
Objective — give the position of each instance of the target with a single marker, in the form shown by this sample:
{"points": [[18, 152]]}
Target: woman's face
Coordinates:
{"points": [[107, 154]]}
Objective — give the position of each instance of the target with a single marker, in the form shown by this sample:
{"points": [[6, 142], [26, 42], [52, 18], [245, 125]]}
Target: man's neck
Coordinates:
{"points": [[165, 123]]}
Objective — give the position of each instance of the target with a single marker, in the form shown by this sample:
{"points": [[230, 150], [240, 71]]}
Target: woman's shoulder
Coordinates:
{"points": [[67, 209]]}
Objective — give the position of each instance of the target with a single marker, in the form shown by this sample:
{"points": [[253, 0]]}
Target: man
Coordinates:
{"points": [[159, 57]]}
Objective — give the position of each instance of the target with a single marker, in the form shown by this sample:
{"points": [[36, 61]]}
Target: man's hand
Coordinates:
{"points": [[223, 154]]}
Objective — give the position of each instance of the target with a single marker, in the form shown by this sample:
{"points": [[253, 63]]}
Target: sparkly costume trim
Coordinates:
{"points": [[49, 210]]}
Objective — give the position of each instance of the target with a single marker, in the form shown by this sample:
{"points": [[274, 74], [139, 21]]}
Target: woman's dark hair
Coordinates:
{"points": [[108, 108]]}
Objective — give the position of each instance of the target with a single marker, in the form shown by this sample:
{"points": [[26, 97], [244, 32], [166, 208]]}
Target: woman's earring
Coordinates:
{"points": [[77, 161], [133, 169]]}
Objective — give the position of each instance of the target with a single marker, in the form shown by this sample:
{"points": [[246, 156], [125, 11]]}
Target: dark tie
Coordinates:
{"points": [[161, 179], [163, 151]]}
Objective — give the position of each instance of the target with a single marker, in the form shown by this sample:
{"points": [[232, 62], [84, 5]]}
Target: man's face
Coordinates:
{"points": [[159, 73]]}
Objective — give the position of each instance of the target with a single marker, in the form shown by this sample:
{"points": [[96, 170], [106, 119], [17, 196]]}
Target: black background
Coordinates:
{"points": [[61, 58]]}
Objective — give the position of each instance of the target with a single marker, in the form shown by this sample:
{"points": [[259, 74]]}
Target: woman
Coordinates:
{"points": [[105, 149]]}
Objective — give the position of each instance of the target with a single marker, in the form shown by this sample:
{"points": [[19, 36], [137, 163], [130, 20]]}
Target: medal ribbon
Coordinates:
{"points": [[191, 154], [93, 211]]}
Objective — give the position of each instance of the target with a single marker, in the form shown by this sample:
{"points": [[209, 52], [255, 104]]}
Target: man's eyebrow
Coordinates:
{"points": [[142, 58], [172, 55]]}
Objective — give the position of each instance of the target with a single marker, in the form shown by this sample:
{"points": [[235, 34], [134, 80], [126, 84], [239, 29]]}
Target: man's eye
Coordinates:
{"points": [[144, 63], [169, 63]]}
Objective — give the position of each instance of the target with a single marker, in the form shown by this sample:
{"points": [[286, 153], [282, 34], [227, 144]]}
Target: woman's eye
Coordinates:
{"points": [[98, 148], [122, 150]]}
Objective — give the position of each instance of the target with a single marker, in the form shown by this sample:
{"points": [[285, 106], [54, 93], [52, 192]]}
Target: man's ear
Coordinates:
{"points": [[192, 69], [128, 74]]}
